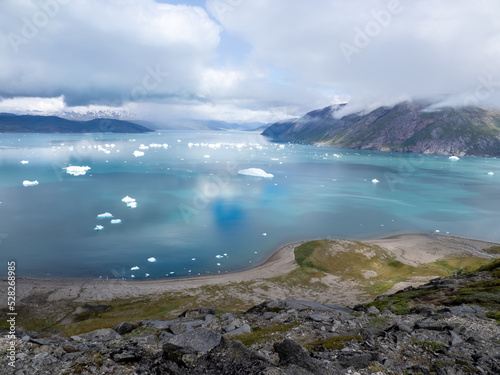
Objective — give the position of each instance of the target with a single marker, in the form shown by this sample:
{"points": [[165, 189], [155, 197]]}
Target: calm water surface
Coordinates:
{"points": [[196, 215]]}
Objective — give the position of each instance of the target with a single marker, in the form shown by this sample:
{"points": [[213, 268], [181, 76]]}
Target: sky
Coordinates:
{"points": [[244, 60]]}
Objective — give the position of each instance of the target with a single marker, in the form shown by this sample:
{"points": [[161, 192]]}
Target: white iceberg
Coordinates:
{"points": [[256, 172], [491, 173], [98, 227], [152, 259], [219, 256], [30, 183], [138, 153], [106, 215], [132, 204], [116, 221], [76, 170], [375, 181], [128, 199], [454, 158], [24, 161], [147, 274], [135, 268]]}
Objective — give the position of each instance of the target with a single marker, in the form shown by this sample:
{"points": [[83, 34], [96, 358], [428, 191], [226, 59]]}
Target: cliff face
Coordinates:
{"points": [[406, 127]]}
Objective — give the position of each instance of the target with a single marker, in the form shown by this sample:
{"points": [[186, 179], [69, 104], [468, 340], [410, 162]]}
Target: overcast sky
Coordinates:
{"points": [[244, 60]]}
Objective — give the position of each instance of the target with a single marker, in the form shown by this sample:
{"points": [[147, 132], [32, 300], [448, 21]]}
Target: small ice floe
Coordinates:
{"points": [[264, 234], [143, 147], [375, 181], [193, 258], [146, 274], [206, 156], [76, 170], [152, 259], [135, 268], [225, 254], [106, 215], [491, 173], [138, 153], [256, 172], [454, 157], [437, 231], [24, 161], [172, 272], [30, 183], [219, 256], [98, 227], [336, 155], [116, 221], [131, 203], [218, 264]]}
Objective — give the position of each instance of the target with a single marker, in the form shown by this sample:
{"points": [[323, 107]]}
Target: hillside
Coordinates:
{"points": [[446, 326], [406, 127], [10, 123]]}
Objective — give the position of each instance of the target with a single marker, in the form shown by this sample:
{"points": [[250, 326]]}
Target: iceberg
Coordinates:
{"points": [[116, 221], [98, 227], [219, 256], [491, 173], [135, 268], [76, 170], [375, 181], [454, 158], [105, 215], [152, 259], [30, 183], [128, 199], [132, 204], [138, 153], [24, 161], [256, 172]]}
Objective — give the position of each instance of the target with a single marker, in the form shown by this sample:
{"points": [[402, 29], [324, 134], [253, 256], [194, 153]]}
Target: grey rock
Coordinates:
{"points": [[200, 340], [106, 334], [357, 360], [124, 328], [245, 328], [179, 328], [228, 317], [404, 328], [373, 310], [455, 339], [159, 324], [269, 315], [467, 310]]}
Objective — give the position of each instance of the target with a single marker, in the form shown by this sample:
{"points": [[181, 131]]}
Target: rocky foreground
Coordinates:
{"points": [[425, 330]]}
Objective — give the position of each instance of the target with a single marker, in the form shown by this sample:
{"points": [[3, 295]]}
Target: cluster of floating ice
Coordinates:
{"points": [[98, 227], [30, 183], [131, 203], [76, 170], [256, 172], [24, 161], [152, 259], [491, 173], [138, 153], [375, 181], [454, 158]]}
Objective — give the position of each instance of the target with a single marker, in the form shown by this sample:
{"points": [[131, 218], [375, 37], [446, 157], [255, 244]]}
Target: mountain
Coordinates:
{"points": [[406, 127], [10, 123]]}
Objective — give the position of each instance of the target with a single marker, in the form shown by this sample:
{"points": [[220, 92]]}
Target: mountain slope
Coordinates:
{"points": [[406, 127], [10, 123]]}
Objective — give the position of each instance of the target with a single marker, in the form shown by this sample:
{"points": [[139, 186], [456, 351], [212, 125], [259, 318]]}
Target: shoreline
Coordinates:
{"points": [[411, 249]]}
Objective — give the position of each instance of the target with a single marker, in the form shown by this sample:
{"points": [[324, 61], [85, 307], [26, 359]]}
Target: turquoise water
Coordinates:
{"points": [[192, 204]]}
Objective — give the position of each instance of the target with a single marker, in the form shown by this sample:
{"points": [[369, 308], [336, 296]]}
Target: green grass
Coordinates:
{"points": [[492, 250], [332, 343], [259, 335]]}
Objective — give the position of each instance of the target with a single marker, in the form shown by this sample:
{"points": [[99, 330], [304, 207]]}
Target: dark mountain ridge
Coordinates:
{"points": [[11, 123], [406, 127]]}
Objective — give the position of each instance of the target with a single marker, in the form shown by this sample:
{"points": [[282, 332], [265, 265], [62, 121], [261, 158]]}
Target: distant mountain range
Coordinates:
{"points": [[11, 123], [406, 127]]}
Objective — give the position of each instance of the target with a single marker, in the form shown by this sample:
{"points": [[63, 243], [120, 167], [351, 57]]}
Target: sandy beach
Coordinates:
{"points": [[412, 249]]}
